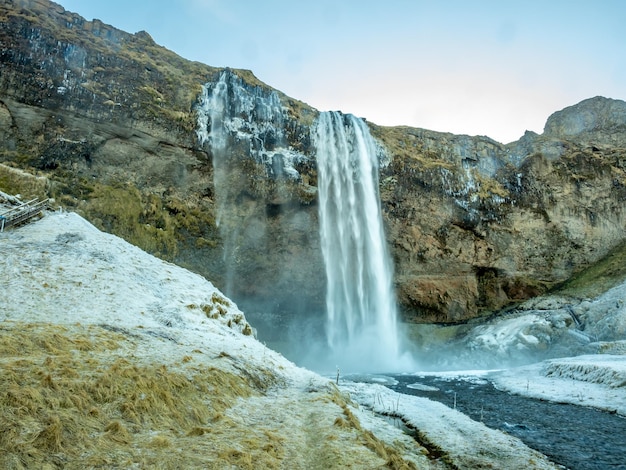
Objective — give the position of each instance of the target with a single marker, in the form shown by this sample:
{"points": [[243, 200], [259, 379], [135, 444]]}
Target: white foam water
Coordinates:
{"points": [[361, 327]]}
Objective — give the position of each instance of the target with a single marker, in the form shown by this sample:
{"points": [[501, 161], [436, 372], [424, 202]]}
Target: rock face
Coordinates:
{"points": [[477, 225], [125, 132], [596, 119], [264, 187]]}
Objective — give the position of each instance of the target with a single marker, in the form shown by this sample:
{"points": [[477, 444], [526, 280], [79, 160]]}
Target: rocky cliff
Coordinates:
{"points": [[477, 225], [127, 134]]}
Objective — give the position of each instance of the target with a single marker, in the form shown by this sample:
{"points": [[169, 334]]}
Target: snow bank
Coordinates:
{"points": [[597, 381], [467, 443], [63, 270], [542, 328], [517, 334], [574, 350], [605, 370], [125, 287]]}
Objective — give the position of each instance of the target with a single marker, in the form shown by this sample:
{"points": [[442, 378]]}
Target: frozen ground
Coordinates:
{"points": [[566, 350], [61, 270], [467, 443], [556, 326], [552, 348], [542, 328], [598, 381]]}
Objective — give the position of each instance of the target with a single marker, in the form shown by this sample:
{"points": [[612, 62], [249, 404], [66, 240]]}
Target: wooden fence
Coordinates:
{"points": [[22, 213]]}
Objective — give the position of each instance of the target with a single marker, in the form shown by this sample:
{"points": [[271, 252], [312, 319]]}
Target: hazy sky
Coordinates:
{"points": [[477, 67]]}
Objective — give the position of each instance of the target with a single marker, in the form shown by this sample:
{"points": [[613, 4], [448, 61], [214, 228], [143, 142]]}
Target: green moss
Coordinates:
{"points": [[299, 111], [14, 181], [403, 146], [122, 210], [490, 187], [202, 242], [192, 221], [598, 278], [158, 226], [21, 159], [162, 226]]}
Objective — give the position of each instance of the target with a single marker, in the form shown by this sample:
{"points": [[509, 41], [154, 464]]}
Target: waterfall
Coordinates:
{"points": [[211, 131], [233, 114], [244, 129], [361, 323], [248, 133]]}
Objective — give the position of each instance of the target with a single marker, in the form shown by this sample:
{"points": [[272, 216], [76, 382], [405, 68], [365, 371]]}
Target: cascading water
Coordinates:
{"points": [[211, 130], [230, 112], [362, 327], [239, 122]]}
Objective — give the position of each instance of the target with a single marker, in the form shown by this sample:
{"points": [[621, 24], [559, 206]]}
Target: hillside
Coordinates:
{"points": [[115, 359]]}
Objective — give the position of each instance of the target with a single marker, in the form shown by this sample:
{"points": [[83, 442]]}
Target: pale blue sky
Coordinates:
{"points": [[478, 67]]}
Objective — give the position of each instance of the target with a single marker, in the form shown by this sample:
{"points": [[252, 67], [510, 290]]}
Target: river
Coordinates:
{"points": [[576, 437]]}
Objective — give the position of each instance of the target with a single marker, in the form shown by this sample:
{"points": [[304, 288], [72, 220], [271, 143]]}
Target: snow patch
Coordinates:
{"points": [[598, 381], [605, 370], [468, 443]]}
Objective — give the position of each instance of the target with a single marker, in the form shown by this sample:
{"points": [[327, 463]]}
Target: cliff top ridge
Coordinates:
{"points": [[598, 114]]}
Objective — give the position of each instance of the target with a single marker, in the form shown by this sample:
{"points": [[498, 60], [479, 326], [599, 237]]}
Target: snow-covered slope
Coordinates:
{"points": [[104, 348], [64, 266]]}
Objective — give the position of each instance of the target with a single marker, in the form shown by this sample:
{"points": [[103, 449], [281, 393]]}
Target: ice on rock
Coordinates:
{"points": [[231, 109]]}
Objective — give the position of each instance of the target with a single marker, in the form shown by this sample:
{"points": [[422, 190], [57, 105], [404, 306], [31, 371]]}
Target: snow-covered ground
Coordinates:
{"points": [[554, 348], [598, 381], [555, 326], [542, 328], [468, 443], [61, 270]]}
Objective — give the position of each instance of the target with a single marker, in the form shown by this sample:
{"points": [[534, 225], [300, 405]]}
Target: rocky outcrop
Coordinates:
{"points": [[112, 120], [477, 225], [596, 120], [122, 129]]}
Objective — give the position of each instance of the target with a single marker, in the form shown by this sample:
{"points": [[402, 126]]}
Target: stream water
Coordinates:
{"points": [[577, 437]]}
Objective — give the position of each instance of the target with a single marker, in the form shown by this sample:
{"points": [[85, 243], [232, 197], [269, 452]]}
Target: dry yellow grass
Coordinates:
{"points": [[73, 397], [392, 456], [68, 399]]}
